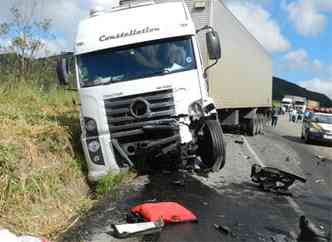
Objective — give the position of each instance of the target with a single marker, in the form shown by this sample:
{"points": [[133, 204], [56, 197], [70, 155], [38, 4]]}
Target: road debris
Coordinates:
{"points": [[179, 183], [135, 229], [310, 232], [273, 179], [239, 142], [170, 212], [222, 228], [319, 181], [287, 159], [320, 157], [281, 238]]}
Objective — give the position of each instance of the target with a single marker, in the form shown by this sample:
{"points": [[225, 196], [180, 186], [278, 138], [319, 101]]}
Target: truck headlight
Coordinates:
{"points": [[196, 110], [93, 146], [90, 126]]}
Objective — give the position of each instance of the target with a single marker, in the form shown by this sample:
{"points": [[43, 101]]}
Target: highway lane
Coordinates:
{"points": [[228, 197]]}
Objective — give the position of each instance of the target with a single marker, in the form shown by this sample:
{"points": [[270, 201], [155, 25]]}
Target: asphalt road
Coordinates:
{"points": [[229, 197]]}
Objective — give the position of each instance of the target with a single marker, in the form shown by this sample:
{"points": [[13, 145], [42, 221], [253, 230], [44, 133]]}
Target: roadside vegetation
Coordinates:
{"points": [[43, 186]]}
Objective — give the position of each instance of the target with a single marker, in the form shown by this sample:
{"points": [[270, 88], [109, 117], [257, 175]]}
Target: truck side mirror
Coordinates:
{"points": [[62, 71], [213, 45]]}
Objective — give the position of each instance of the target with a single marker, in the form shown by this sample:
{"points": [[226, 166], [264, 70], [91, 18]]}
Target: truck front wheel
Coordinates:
{"points": [[211, 145]]}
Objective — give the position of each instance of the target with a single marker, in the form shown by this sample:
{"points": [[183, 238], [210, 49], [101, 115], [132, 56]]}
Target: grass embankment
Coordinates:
{"points": [[43, 186]]}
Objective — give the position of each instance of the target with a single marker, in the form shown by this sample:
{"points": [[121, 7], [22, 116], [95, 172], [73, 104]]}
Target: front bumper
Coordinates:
{"points": [[320, 136]]}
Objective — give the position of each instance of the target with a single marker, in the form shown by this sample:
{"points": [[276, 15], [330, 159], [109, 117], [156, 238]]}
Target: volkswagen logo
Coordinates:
{"points": [[140, 108]]}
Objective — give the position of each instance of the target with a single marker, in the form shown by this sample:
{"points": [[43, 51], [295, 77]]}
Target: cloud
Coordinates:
{"points": [[297, 59], [259, 22], [307, 15], [318, 85]]}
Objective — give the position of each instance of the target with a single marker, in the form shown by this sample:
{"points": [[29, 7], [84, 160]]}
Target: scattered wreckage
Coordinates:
{"points": [[150, 218], [273, 179]]}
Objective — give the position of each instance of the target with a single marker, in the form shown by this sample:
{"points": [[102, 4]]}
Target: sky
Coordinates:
{"points": [[296, 33]]}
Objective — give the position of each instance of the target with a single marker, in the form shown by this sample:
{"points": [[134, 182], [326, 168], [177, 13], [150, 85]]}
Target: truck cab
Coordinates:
{"points": [[143, 92]]}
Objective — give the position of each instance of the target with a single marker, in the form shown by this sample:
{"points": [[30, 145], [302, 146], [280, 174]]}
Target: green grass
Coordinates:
{"points": [[109, 183], [276, 103], [43, 185]]}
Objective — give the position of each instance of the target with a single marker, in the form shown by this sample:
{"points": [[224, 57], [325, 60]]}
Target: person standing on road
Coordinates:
{"points": [[275, 112], [290, 114], [294, 115]]}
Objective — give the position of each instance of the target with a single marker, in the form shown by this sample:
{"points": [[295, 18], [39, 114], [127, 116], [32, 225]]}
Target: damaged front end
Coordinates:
{"points": [[146, 132]]}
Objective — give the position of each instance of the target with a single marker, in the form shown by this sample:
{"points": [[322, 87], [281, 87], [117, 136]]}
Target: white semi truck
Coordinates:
{"points": [[146, 74]]}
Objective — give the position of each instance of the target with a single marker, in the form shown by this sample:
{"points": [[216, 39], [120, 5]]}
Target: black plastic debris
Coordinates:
{"points": [[310, 232], [273, 179], [239, 142], [136, 229], [222, 228], [179, 183]]}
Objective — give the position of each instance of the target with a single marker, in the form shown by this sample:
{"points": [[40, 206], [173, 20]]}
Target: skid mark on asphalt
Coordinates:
{"points": [[290, 200]]}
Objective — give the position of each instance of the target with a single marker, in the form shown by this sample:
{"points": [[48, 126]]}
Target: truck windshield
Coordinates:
{"points": [[325, 119], [136, 61]]}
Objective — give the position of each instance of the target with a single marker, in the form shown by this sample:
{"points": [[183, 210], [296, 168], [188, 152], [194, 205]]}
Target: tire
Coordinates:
{"points": [[260, 124], [211, 145], [252, 127]]}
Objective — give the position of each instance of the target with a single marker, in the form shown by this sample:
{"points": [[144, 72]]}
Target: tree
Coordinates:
{"points": [[27, 35]]}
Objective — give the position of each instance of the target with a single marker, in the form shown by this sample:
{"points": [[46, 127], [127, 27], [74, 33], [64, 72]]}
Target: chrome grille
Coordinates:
{"points": [[123, 124]]}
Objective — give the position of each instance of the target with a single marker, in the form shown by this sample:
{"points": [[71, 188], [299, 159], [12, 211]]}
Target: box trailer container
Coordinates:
{"points": [[241, 82]]}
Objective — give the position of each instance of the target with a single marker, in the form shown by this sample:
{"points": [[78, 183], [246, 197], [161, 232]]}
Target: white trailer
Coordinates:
{"points": [[241, 82]]}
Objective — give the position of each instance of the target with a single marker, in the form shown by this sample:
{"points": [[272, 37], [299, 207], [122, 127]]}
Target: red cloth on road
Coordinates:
{"points": [[170, 212]]}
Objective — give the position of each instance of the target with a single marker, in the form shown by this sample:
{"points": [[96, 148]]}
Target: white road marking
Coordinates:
{"points": [[290, 200]]}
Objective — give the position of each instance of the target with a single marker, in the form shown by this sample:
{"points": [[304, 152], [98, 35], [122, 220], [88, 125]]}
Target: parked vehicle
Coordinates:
{"points": [[297, 103], [317, 127], [312, 104], [153, 93], [287, 104]]}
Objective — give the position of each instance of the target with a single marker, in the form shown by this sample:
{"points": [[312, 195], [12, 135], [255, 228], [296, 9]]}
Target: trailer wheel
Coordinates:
{"points": [[252, 126], [260, 124], [211, 145]]}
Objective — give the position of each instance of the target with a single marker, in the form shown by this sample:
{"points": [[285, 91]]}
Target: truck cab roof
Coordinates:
{"points": [[129, 25]]}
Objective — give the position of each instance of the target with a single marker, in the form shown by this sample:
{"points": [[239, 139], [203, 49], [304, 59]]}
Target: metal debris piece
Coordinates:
{"points": [[134, 229], [222, 228], [273, 179], [322, 158], [179, 183], [310, 232], [320, 181]]}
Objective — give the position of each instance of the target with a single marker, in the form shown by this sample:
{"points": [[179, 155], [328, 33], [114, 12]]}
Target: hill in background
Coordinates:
{"points": [[282, 87]]}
